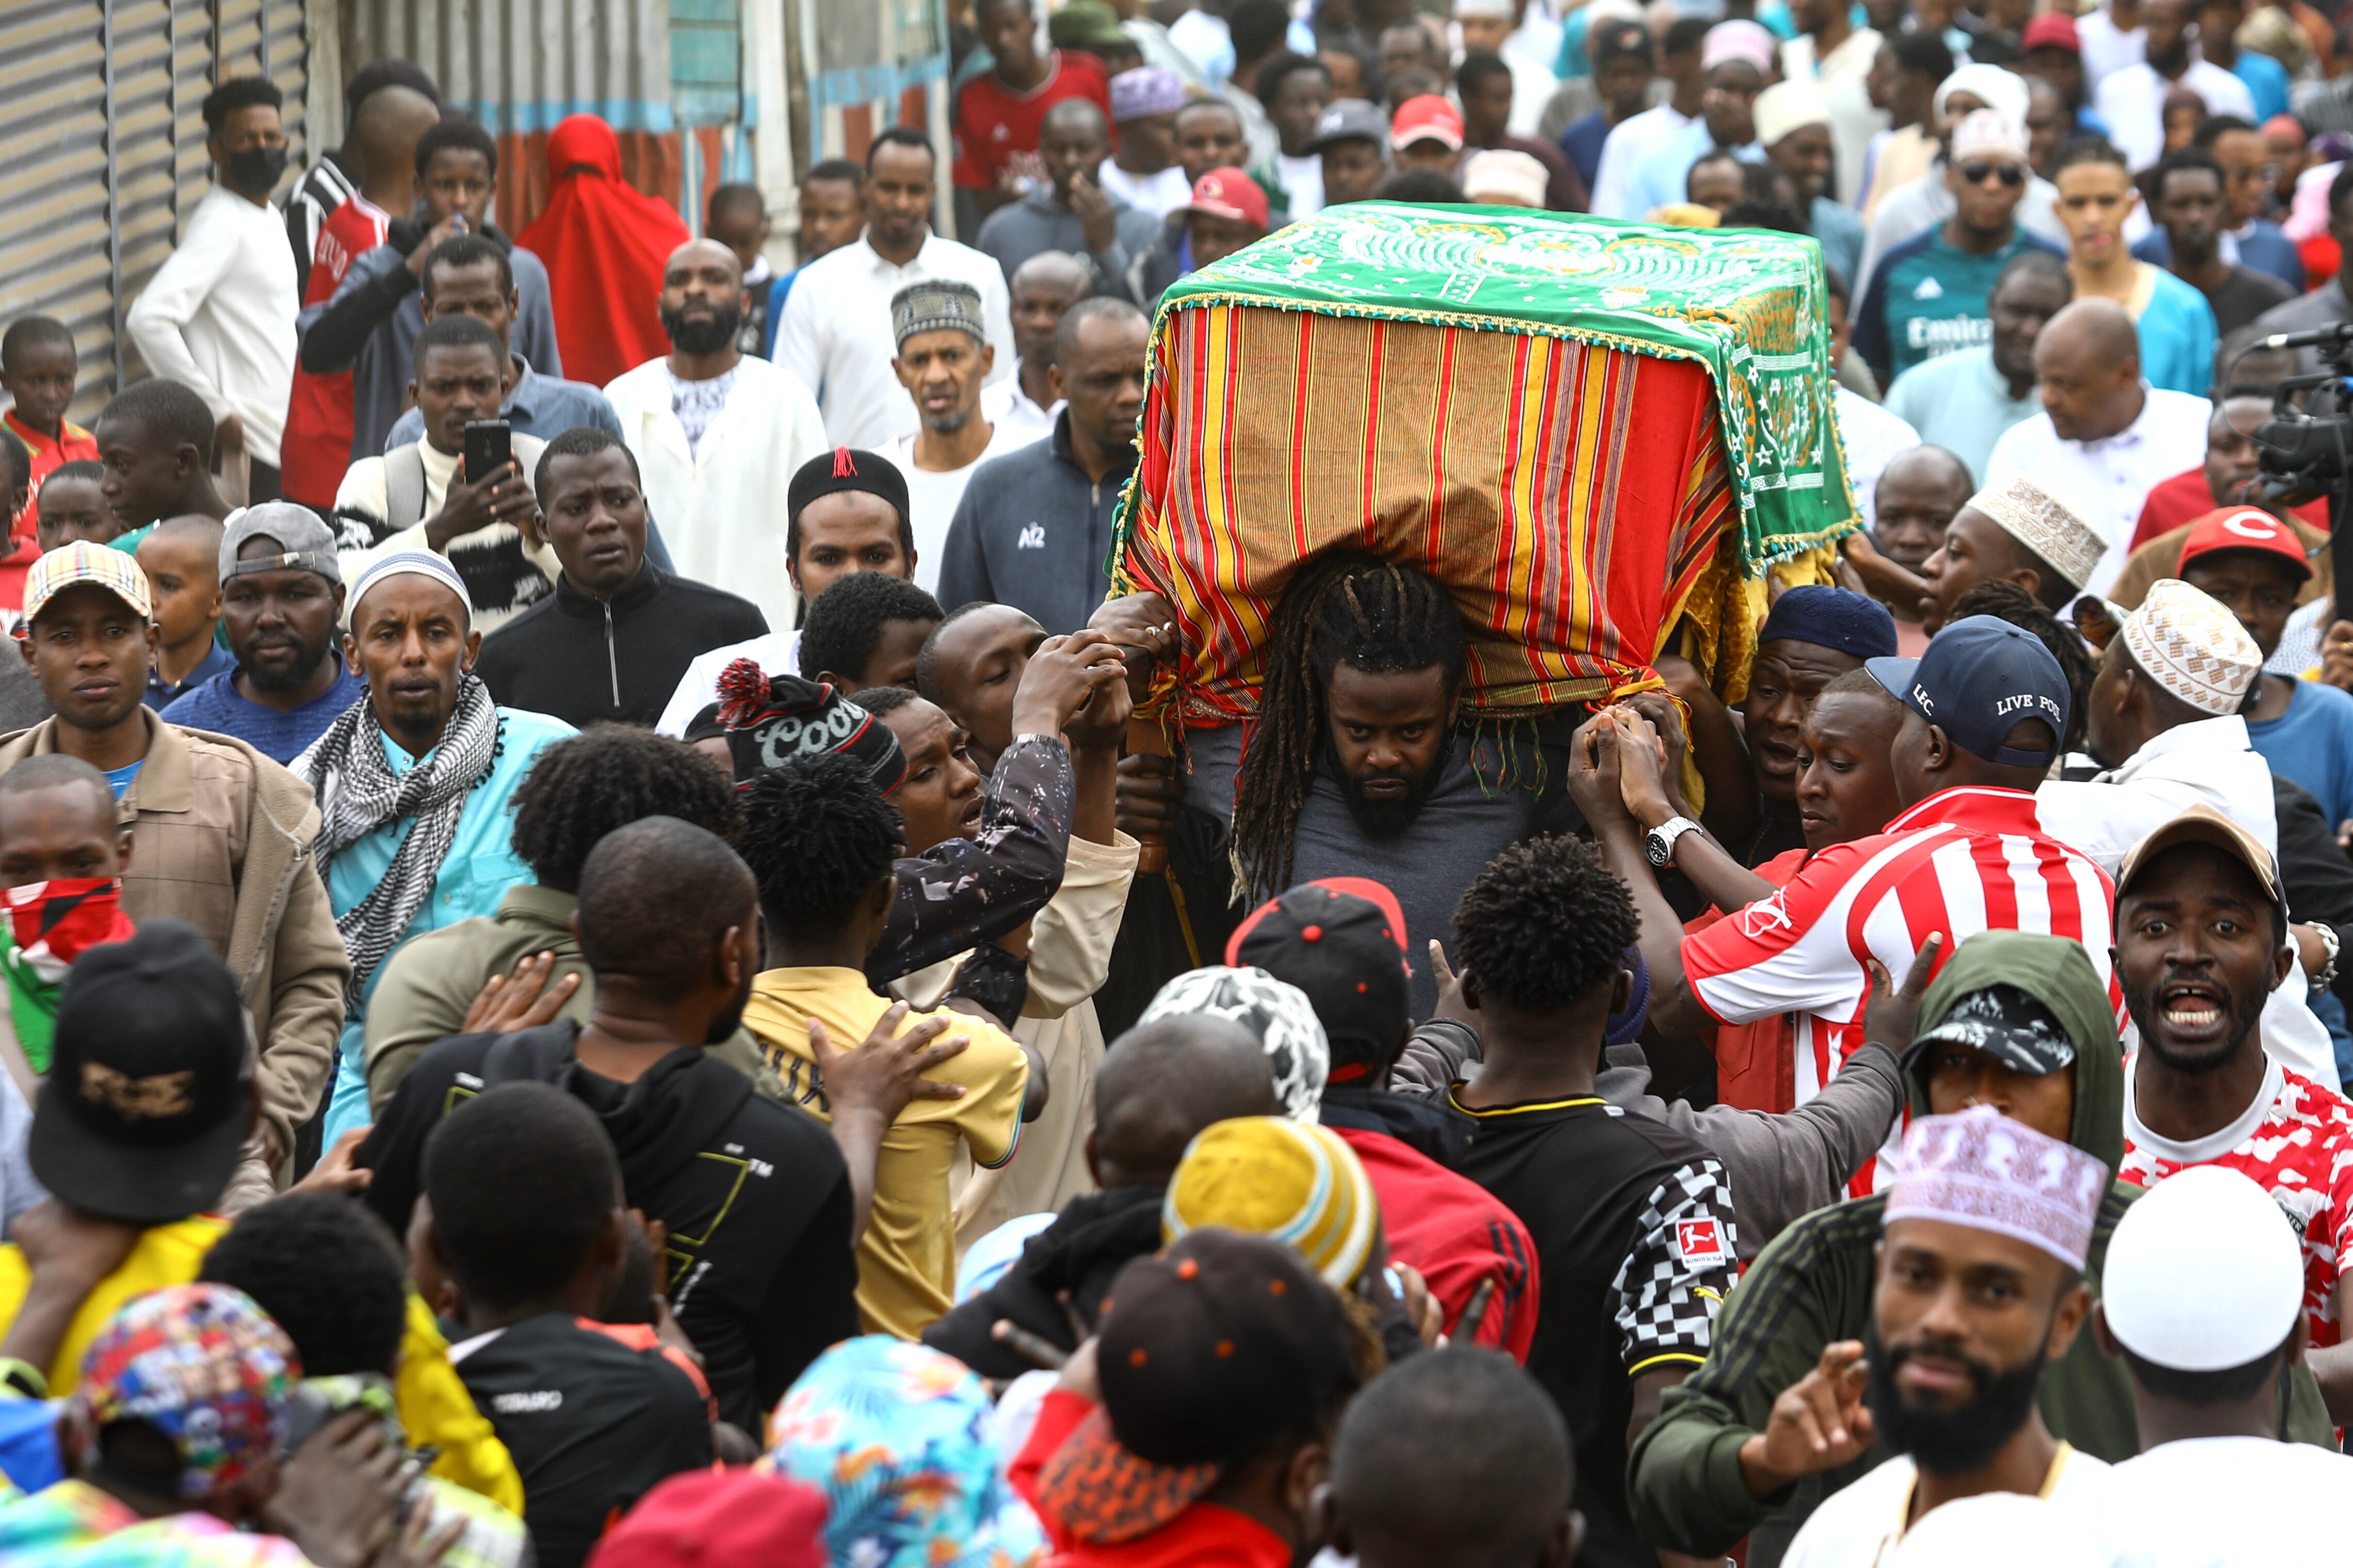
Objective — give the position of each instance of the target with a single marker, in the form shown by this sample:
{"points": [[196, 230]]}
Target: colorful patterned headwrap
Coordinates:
{"points": [[896, 1436], [204, 1366]]}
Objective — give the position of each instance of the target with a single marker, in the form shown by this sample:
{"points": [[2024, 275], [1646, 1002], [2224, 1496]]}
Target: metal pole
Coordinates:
{"points": [[113, 188]]}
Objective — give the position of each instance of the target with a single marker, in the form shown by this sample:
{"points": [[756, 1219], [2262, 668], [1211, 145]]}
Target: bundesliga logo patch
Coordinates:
{"points": [[1699, 1241]]}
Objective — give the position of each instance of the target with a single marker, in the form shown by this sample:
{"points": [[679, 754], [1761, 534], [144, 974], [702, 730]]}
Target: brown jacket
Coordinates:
{"points": [[2161, 557], [222, 840]]}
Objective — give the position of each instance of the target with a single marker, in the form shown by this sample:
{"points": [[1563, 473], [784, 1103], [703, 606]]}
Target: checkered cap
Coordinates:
{"points": [[1982, 1170], [2193, 648], [82, 562], [2043, 522]]}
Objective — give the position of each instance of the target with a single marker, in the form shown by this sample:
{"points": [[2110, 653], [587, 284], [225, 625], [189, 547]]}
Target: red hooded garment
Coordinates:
{"points": [[605, 246]]}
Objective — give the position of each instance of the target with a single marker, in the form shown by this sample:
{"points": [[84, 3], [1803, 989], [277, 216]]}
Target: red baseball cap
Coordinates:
{"points": [[2244, 528], [1229, 194], [2052, 29], [1429, 118]]}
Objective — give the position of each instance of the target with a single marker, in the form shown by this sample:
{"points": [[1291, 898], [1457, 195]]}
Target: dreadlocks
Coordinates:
{"points": [[1347, 606]]}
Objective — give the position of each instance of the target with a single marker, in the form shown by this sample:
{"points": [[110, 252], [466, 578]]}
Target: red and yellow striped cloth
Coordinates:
{"points": [[1569, 495]]}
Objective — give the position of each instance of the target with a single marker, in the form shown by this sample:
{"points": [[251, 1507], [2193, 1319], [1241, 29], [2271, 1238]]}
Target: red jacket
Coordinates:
{"points": [[1456, 1233], [1204, 1536]]}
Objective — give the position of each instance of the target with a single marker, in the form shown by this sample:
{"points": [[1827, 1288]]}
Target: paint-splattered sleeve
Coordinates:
{"points": [[963, 892]]}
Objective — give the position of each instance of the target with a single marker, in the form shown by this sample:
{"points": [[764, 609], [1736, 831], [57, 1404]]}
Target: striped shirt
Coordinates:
{"points": [[1960, 862]]}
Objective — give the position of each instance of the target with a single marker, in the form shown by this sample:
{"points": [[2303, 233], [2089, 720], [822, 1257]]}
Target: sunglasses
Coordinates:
{"points": [[1977, 169]]}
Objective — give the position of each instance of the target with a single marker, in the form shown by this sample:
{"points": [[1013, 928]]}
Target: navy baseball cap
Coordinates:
{"points": [[1980, 678]]}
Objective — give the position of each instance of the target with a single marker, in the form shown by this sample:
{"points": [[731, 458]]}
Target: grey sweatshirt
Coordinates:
{"points": [[1779, 1166]]}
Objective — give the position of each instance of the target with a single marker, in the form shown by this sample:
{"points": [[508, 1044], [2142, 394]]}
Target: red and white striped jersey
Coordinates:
{"points": [[1960, 862]]}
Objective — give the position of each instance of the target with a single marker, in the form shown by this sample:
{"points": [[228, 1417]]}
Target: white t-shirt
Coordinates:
{"points": [[1861, 1526], [1302, 181], [2229, 1503], [932, 497], [777, 653], [1158, 194]]}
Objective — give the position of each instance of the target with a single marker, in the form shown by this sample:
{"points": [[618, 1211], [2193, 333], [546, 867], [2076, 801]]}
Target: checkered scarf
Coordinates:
{"points": [[359, 792]]}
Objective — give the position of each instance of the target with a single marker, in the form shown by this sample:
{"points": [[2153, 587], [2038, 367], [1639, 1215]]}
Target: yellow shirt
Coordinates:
{"points": [[164, 1255], [906, 1261], [436, 1411]]}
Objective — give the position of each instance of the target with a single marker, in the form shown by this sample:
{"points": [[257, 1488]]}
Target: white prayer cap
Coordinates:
{"points": [[2000, 90], [2203, 1273], [1788, 106], [1985, 134], [1500, 8], [2008, 1528], [417, 563], [2038, 518], [1981, 1170], [1504, 179], [2193, 648]]}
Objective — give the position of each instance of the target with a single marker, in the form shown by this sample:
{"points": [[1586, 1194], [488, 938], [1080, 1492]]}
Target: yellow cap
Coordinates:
{"points": [[1299, 1184]]}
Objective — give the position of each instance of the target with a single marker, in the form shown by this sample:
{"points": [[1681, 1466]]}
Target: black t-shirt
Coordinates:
{"points": [[596, 1414], [755, 1195], [2243, 296], [1632, 1227]]}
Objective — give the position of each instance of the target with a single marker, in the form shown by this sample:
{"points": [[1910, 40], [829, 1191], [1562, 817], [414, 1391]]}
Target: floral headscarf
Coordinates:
{"points": [[896, 1436]]}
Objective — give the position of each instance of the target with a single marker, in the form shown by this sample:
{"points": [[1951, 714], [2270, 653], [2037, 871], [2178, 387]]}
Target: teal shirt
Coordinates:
{"points": [[475, 875], [2176, 337]]}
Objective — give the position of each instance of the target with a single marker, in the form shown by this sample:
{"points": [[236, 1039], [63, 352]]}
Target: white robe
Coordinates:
{"points": [[720, 506]]}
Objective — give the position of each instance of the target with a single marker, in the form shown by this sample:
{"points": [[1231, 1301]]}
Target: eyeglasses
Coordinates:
{"points": [[1975, 170]]}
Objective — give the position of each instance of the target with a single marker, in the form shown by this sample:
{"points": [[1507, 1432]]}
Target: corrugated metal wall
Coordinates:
{"points": [[865, 67], [519, 65], [100, 84]]}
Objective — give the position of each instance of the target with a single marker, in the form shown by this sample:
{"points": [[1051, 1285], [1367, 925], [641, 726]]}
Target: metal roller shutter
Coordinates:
{"points": [[54, 249], [102, 150]]}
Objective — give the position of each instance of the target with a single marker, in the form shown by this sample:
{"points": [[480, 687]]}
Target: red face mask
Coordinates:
{"points": [[56, 923]]}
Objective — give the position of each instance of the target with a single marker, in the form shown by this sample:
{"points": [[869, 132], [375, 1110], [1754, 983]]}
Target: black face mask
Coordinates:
{"points": [[255, 171]]}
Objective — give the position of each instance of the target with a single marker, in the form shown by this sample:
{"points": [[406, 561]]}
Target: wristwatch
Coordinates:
{"points": [[1659, 844]]}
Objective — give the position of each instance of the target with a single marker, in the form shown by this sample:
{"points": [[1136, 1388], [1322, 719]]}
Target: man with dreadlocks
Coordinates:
{"points": [[415, 785], [1356, 767]]}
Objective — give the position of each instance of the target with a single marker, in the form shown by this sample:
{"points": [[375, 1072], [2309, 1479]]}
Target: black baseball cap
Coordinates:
{"points": [[1342, 941], [148, 1100], [1207, 1350], [1980, 677]]}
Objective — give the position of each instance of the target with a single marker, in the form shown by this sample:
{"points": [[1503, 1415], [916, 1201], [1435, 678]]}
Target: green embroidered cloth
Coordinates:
{"points": [[1748, 304]]}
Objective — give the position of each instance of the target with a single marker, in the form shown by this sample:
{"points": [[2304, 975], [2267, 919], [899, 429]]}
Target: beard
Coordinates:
{"points": [[308, 656], [2246, 1012], [1950, 1442], [697, 335], [1382, 818], [947, 423], [724, 1022]]}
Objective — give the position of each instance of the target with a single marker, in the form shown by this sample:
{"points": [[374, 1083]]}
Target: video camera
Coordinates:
{"points": [[2305, 453]]}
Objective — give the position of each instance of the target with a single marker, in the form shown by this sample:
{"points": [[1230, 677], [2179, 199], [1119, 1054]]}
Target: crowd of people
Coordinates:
{"points": [[594, 975]]}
